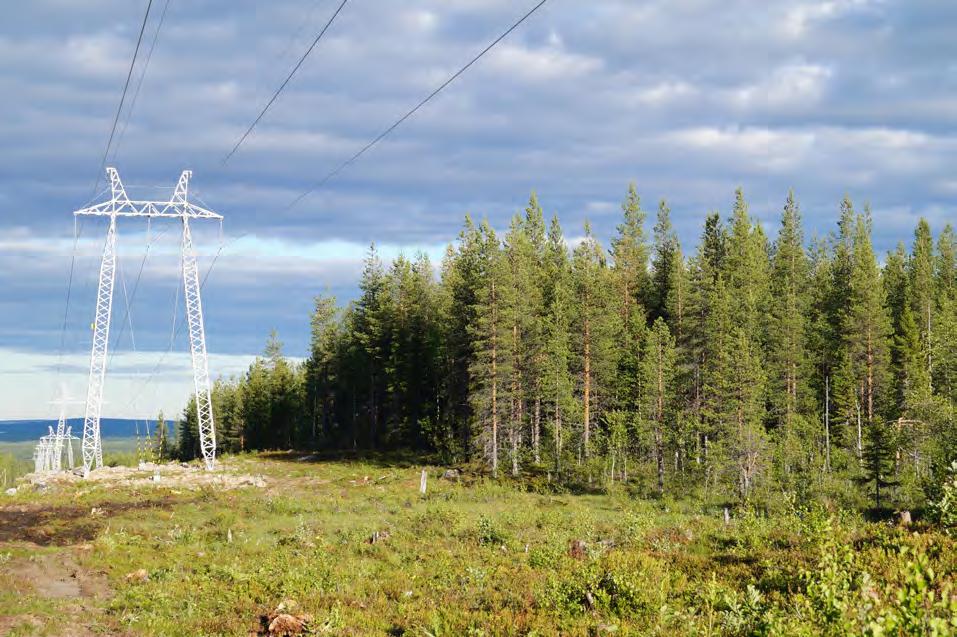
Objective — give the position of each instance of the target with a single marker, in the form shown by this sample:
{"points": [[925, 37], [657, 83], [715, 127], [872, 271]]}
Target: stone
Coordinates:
{"points": [[11, 491], [577, 549], [451, 474], [139, 576]]}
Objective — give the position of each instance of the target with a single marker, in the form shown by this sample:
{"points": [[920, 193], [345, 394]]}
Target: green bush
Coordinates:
{"points": [[944, 508]]}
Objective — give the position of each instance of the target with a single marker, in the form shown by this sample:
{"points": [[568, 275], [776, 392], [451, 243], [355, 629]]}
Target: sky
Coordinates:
{"points": [[689, 99]]}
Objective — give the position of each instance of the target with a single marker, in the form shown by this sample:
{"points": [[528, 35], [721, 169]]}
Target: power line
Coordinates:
{"points": [[285, 82], [126, 87], [412, 112], [177, 323], [139, 84]]}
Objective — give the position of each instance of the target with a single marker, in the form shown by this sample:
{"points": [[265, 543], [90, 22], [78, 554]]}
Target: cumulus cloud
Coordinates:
{"points": [[688, 98], [792, 86]]}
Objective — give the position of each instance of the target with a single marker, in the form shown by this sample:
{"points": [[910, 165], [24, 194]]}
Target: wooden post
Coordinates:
{"points": [[423, 482]]}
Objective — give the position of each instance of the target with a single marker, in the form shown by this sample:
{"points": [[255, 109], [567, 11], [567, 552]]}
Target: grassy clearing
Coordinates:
{"points": [[474, 557]]}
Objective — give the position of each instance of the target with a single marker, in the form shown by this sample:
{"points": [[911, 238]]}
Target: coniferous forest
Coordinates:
{"points": [[763, 362]]}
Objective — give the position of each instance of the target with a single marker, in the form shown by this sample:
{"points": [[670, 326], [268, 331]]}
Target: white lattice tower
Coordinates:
{"points": [[92, 446], [58, 441], [177, 207], [197, 339]]}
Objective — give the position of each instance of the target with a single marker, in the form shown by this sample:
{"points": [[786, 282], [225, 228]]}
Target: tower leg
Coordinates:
{"points": [[197, 346], [58, 442], [92, 447]]}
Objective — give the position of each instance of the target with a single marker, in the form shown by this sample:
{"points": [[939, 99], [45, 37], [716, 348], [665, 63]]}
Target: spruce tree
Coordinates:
{"points": [[866, 329], [921, 293], [460, 286], [371, 336], [945, 340], [322, 369]]}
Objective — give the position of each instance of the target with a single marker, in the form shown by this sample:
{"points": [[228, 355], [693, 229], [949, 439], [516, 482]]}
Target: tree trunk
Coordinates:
{"points": [[659, 423], [827, 424], [558, 441], [494, 385], [537, 427], [587, 392]]}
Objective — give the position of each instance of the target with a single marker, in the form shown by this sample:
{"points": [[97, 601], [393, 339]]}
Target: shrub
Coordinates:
{"points": [[944, 508]]}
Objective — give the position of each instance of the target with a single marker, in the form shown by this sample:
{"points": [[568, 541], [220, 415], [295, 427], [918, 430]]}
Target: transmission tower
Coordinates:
{"points": [[177, 207]]}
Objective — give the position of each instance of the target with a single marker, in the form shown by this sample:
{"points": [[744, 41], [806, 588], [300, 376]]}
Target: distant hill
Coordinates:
{"points": [[24, 430]]}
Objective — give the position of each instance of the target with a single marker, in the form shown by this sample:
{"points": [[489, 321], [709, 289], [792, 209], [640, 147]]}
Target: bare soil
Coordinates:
{"points": [[66, 525]]}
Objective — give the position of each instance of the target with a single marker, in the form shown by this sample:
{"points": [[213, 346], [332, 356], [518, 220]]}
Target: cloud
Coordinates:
{"points": [[689, 98], [801, 17], [132, 389], [788, 87], [541, 64]]}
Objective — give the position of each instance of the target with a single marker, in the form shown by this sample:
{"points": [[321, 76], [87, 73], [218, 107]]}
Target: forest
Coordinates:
{"points": [[753, 367]]}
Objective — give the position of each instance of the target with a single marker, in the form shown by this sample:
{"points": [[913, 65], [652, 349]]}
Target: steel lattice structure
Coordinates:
{"points": [[177, 207]]}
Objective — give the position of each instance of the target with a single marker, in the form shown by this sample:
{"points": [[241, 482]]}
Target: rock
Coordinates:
{"points": [[11, 491], [451, 474], [139, 576], [283, 622], [578, 549], [378, 536], [286, 625], [905, 519]]}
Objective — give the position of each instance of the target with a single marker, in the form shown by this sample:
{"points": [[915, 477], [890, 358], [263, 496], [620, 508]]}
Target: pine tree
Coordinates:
{"points": [[821, 343], [787, 335], [557, 379], [746, 402], [630, 274], [535, 329], [629, 252], [657, 374], [595, 326], [161, 444], [522, 316], [492, 366], [747, 269]]}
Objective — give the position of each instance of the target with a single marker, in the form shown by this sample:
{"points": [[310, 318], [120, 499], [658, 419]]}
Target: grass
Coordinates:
{"points": [[475, 557]]}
